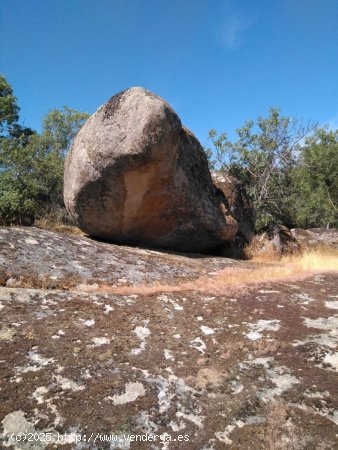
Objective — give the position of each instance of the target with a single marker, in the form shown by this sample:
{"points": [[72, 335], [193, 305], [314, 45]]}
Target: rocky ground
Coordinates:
{"points": [[86, 369], [34, 257]]}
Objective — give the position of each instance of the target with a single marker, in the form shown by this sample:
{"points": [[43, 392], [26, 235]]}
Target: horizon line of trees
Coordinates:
{"points": [[31, 163], [287, 169]]}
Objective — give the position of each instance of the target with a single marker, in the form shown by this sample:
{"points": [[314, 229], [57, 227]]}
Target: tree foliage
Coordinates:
{"points": [[61, 126], [30, 180], [262, 158], [31, 164], [316, 181], [9, 110]]}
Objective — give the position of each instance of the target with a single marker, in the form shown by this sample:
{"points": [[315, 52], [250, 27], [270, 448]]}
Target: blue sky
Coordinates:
{"points": [[218, 63]]}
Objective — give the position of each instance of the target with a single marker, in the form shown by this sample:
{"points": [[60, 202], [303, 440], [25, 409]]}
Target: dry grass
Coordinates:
{"points": [[35, 281], [233, 279], [320, 258], [68, 229], [285, 268], [58, 227], [275, 269], [59, 221]]}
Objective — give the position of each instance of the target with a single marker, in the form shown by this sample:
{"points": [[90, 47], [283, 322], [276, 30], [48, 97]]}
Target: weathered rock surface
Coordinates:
{"points": [[134, 175], [277, 240], [84, 371], [281, 240], [316, 236], [239, 204], [30, 256]]}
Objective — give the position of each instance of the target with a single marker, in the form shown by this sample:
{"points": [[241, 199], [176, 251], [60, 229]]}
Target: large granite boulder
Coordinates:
{"points": [[240, 206], [134, 175]]}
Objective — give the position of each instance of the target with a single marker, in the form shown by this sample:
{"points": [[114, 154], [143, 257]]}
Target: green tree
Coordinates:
{"points": [[60, 127], [30, 180], [316, 181], [31, 164], [262, 158], [9, 110]]}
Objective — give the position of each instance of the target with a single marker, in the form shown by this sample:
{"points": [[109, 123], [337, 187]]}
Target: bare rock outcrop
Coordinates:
{"points": [[313, 237], [41, 258], [275, 240], [278, 239], [114, 340], [135, 176], [239, 204]]}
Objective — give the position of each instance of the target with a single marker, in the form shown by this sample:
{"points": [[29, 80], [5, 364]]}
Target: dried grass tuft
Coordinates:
{"points": [[234, 280]]}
